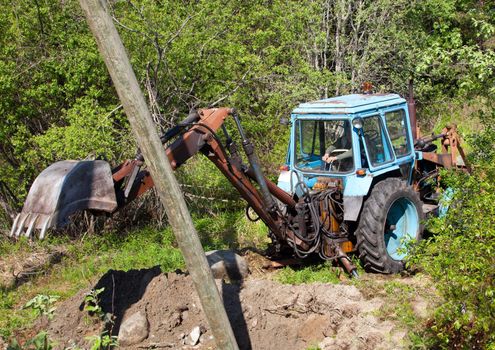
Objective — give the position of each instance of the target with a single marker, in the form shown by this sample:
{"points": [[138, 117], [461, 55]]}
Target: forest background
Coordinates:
{"points": [[262, 57]]}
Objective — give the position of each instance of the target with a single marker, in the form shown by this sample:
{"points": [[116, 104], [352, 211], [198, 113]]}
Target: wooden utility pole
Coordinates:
{"points": [[136, 109]]}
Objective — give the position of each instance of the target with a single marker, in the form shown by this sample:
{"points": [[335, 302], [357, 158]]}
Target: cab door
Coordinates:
{"points": [[398, 128], [378, 150], [387, 141]]}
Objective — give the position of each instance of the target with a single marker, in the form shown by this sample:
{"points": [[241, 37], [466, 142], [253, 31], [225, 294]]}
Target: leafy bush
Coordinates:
{"points": [[92, 302], [89, 130], [57, 100], [460, 256], [103, 341]]}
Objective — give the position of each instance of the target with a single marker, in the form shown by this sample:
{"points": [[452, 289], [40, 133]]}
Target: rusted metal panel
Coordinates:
{"points": [[444, 159], [121, 171], [214, 117]]}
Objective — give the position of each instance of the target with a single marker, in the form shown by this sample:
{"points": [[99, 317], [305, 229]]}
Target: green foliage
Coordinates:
{"points": [[319, 273], [57, 101], [460, 256], [43, 304], [483, 152], [401, 309], [89, 132], [92, 302], [103, 341], [316, 347], [231, 230], [144, 248], [51, 76], [456, 43], [39, 342], [206, 189]]}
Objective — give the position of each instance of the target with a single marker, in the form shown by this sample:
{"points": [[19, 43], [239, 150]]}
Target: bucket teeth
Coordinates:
{"points": [[14, 225], [45, 226], [21, 224], [31, 226], [30, 222]]}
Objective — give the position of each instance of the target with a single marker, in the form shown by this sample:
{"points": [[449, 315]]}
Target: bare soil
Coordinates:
{"points": [[264, 314]]}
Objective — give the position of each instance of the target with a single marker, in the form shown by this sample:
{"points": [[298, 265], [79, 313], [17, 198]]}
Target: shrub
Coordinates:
{"points": [[460, 256]]}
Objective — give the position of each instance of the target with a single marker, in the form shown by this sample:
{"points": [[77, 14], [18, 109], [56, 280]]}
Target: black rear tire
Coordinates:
{"points": [[376, 237]]}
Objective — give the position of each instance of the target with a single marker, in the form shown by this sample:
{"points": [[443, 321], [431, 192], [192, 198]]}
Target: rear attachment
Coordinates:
{"points": [[62, 189]]}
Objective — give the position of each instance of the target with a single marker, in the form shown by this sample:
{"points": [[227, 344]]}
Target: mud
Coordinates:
{"points": [[264, 314]]}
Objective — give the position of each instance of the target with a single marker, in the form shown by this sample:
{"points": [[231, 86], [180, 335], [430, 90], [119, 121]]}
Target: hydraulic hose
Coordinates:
{"points": [[255, 165], [191, 118], [174, 131]]}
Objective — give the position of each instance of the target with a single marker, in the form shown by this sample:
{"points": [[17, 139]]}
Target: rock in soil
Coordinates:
{"points": [[194, 336], [264, 314], [226, 264], [134, 329]]}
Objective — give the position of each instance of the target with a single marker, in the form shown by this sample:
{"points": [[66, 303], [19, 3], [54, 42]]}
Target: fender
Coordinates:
{"points": [[356, 188]]}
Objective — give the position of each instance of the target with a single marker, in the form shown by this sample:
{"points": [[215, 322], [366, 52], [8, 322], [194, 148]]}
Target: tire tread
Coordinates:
{"points": [[370, 231]]}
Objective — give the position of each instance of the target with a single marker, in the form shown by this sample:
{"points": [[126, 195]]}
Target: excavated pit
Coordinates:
{"points": [[165, 312]]}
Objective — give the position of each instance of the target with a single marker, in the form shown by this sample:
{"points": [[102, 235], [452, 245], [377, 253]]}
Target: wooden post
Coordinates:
{"points": [[136, 109]]}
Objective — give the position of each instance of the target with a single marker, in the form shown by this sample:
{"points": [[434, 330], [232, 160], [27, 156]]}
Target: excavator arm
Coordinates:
{"points": [[201, 137], [67, 187]]}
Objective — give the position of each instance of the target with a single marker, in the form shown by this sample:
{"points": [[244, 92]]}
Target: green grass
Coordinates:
{"points": [[6, 246], [402, 309], [397, 296], [316, 347], [320, 273], [231, 230]]}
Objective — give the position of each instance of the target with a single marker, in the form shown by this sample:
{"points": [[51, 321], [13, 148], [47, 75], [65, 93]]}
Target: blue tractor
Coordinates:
{"points": [[356, 178], [365, 148]]}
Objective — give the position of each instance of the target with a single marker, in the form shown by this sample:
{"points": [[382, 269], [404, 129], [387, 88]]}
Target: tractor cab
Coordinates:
{"points": [[351, 139]]}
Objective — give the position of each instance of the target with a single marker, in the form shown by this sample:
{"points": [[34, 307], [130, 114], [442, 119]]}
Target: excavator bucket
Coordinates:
{"points": [[62, 189]]}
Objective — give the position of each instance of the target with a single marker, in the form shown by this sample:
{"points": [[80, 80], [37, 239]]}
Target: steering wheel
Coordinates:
{"points": [[337, 163]]}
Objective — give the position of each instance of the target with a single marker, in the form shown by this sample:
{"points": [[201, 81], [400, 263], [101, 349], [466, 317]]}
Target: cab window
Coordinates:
{"points": [[318, 139], [377, 146], [397, 129]]}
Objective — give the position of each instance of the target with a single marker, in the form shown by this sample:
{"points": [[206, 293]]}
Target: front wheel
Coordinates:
{"points": [[391, 218]]}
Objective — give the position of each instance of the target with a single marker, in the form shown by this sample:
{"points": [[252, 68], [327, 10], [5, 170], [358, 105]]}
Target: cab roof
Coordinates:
{"points": [[348, 104]]}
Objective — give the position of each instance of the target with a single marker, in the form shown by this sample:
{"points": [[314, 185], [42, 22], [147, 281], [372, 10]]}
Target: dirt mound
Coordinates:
{"points": [[264, 314]]}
